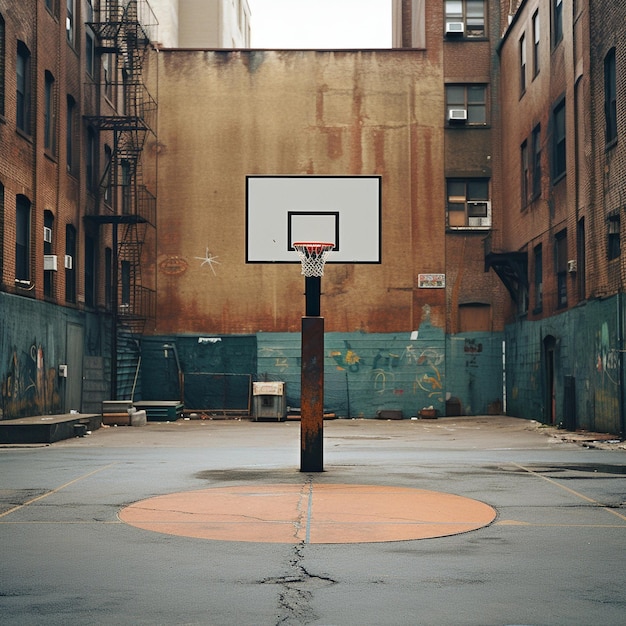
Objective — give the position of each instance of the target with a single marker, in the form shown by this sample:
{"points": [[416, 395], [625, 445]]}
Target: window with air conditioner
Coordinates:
{"points": [[465, 18], [466, 104], [468, 204]]}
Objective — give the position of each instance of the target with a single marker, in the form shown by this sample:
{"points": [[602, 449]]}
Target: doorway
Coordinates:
{"points": [[549, 348]]}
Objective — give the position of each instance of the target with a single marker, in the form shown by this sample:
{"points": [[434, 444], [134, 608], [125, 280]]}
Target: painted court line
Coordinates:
{"points": [[574, 493], [53, 491]]}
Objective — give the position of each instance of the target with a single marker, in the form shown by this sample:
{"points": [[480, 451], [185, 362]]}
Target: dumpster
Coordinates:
{"points": [[269, 401]]}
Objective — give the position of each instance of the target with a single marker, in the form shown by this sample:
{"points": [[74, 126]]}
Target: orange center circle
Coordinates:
{"points": [[309, 513]]}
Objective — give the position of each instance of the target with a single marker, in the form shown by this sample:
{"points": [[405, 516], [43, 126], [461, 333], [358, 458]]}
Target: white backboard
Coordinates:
{"points": [[343, 210]]}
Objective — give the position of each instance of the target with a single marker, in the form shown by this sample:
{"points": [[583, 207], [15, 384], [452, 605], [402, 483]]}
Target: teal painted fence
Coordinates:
{"points": [[587, 369], [364, 373], [33, 343]]}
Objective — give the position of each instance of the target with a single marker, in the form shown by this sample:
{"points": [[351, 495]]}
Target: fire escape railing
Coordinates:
{"points": [[125, 112]]}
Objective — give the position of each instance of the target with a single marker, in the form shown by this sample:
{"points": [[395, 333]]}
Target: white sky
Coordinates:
{"points": [[279, 24]]}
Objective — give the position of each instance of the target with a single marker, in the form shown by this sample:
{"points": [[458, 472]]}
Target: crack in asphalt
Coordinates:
{"points": [[296, 591]]}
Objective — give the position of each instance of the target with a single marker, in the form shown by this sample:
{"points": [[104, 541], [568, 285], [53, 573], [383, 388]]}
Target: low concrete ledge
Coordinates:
{"points": [[47, 428]]}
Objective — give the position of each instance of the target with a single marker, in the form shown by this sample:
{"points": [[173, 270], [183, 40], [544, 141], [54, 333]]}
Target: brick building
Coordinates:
{"points": [[493, 128]]}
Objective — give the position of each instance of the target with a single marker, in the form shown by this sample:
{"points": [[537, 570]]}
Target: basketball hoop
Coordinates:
{"points": [[313, 256]]}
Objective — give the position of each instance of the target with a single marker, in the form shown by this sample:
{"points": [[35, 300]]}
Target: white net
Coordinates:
{"points": [[313, 256]]}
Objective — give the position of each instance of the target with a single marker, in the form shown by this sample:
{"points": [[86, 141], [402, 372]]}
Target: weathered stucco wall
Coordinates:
{"points": [[225, 115]]}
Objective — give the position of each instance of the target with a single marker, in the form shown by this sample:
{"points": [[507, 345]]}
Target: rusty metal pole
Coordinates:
{"points": [[312, 382]]}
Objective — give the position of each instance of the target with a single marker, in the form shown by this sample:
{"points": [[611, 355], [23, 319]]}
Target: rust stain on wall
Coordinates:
{"points": [[227, 115]]}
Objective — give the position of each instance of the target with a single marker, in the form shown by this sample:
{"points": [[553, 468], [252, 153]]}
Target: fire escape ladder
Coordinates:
{"points": [[124, 29]]}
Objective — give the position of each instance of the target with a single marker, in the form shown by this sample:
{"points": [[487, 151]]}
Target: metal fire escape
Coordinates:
{"points": [[126, 115]]}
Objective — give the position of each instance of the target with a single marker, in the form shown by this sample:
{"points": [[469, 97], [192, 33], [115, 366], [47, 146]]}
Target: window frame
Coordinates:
{"points": [[48, 275], [536, 30], [23, 217], [525, 173], [50, 123], [2, 63], [560, 267], [613, 240], [559, 141], [70, 22], [610, 98], [470, 200], [538, 278], [70, 272], [70, 135], [522, 64], [470, 106], [478, 30], [536, 162], [557, 22], [23, 88]]}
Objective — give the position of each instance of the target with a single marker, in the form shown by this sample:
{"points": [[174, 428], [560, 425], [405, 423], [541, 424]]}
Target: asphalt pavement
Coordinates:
{"points": [[553, 554]]}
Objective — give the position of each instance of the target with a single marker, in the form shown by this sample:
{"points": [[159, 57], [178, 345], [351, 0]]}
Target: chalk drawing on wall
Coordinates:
{"points": [[208, 259]]}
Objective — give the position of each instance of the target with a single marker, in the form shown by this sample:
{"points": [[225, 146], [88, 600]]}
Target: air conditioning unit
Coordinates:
{"points": [[479, 214], [69, 262], [457, 115], [455, 28], [572, 266], [50, 262], [47, 234]]}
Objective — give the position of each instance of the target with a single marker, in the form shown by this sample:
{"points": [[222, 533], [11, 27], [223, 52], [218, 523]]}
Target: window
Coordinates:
{"points": [[48, 275], [466, 104], [125, 284], [69, 262], [23, 88], [107, 75], [108, 278], [522, 64], [69, 21], [538, 283], [558, 141], [1, 227], [90, 47], [90, 160], [582, 259], [90, 53], [49, 114], [557, 22], [90, 271], [468, 203], [525, 191], [613, 243], [610, 97], [107, 182], [22, 239], [536, 36], [560, 263], [536, 168], [53, 6], [2, 63], [471, 13], [125, 166], [69, 133]]}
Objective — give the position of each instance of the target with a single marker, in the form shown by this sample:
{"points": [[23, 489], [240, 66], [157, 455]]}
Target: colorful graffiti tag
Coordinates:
{"points": [[28, 388]]}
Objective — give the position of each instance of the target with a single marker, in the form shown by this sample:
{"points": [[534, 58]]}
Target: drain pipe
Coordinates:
{"points": [[620, 360]]}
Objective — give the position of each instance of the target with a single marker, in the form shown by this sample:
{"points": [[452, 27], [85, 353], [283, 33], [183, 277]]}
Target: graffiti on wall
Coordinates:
{"points": [[28, 388], [385, 366], [607, 358]]}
